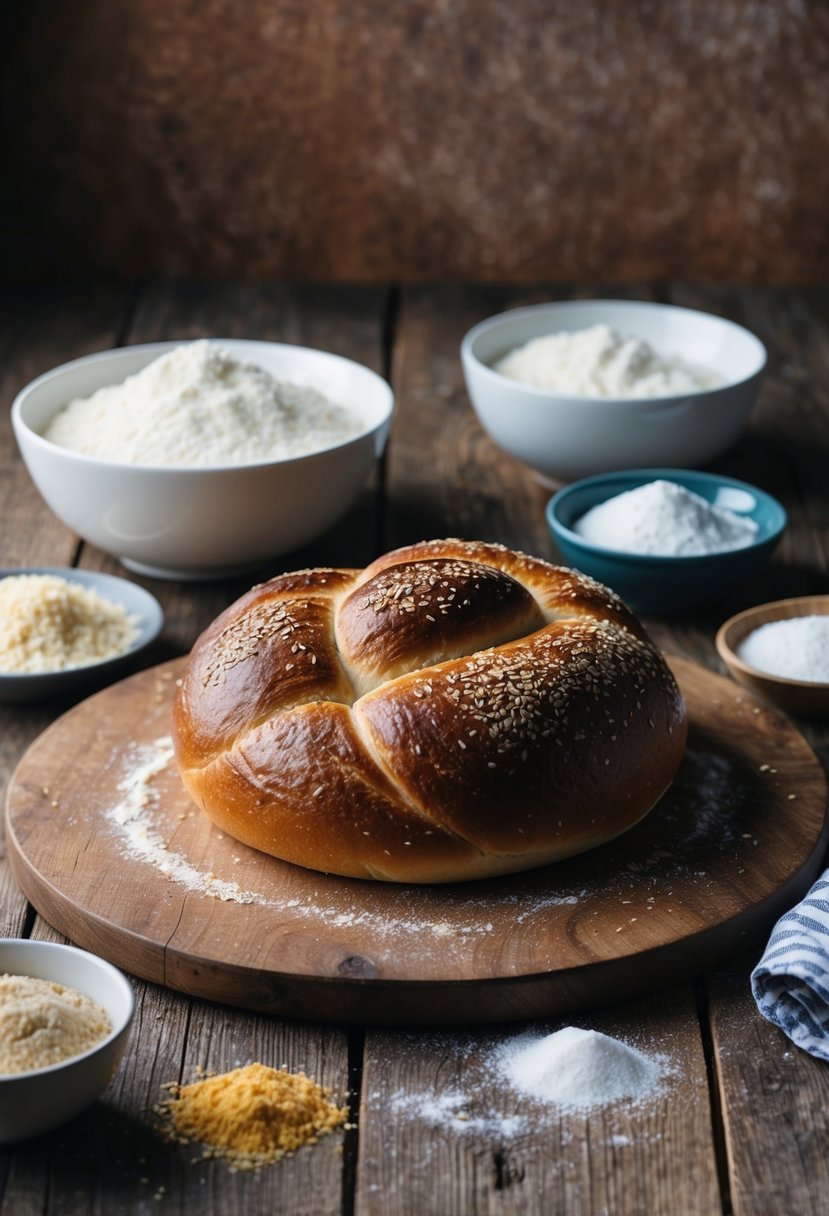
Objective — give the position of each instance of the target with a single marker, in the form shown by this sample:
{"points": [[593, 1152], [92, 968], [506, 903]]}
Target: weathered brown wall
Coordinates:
{"points": [[496, 139]]}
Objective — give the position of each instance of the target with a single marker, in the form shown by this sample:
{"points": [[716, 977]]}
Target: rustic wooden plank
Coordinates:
{"points": [[113, 1157], [344, 320], [788, 433], [773, 1096], [447, 477], [39, 328], [775, 1102], [110, 1159], [505, 1155], [19, 726]]}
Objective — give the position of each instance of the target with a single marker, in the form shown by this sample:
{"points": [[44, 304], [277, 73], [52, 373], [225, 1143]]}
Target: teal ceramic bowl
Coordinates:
{"points": [[670, 584]]}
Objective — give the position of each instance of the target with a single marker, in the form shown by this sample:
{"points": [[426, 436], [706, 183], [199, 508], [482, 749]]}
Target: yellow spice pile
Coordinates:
{"points": [[251, 1116], [42, 1023], [48, 623]]}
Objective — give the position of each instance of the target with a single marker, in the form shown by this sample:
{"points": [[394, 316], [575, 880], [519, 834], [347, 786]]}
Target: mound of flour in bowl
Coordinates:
{"points": [[662, 518], [601, 362], [198, 405]]}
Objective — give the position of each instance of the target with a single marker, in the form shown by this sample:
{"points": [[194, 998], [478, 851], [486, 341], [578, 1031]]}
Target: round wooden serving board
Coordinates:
{"points": [[106, 844]]}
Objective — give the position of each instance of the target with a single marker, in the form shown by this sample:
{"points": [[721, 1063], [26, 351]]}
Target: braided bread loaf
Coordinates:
{"points": [[453, 711]]}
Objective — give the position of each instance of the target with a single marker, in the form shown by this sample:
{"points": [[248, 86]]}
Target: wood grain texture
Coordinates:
{"points": [[507, 140], [435, 1107], [775, 1102], [141, 877], [770, 1096], [447, 475], [111, 1159], [114, 1157], [38, 329]]}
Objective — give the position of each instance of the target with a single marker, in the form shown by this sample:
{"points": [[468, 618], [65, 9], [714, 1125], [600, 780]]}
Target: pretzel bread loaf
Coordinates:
{"points": [[453, 711]]}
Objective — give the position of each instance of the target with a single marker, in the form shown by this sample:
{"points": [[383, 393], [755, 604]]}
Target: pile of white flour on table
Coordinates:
{"points": [[200, 406], [577, 1069], [572, 1071]]}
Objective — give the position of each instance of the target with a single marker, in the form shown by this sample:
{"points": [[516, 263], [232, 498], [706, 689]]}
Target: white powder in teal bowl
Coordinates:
{"points": [[663, 519]]}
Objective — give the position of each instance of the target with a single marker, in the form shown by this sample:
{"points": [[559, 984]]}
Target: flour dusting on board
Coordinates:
{"points": [[134, 817], [143, 821]]}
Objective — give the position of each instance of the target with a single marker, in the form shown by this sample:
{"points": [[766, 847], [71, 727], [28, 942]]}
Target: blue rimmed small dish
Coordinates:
{"points": [[136, 602], [666, 584]]}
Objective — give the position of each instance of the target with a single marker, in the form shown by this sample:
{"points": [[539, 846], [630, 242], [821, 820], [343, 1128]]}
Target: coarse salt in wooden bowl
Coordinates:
{"points": [[793, 695]]}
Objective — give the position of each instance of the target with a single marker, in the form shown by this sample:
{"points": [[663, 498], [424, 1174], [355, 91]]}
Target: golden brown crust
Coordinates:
{"points": [[455, 710]]}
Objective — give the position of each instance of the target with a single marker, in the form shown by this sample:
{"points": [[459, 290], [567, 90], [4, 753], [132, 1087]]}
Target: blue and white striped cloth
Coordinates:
{"points": [[791, 981]]}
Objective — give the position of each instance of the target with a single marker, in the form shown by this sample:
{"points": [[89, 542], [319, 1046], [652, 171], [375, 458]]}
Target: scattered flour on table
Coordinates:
{"points": [[143, 821], [198, 405], [663, 518], [797, 648], [535, 1078], [454, 1109], [600, 362]]}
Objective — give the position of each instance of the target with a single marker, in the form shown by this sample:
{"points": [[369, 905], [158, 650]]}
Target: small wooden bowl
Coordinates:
{"points": [[796, 696]]}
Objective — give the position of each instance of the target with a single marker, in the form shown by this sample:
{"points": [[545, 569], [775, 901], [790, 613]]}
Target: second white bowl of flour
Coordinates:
{"points": [[575, 388], [204, 458]]}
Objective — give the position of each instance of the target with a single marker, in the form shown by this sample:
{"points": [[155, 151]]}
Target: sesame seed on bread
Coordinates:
{"points": [[454, 711]]}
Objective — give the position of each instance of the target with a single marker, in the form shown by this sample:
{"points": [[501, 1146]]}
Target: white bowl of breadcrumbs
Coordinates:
{"points": [[65, 1016]]}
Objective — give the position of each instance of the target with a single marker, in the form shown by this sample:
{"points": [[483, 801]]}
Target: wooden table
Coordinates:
{"points": [[744, 1128]]}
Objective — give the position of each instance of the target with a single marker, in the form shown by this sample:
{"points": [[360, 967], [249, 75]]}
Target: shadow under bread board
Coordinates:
{"points": [[105, 842]]}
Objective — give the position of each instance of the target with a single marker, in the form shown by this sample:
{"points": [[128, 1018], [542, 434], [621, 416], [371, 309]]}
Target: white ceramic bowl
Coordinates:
{"points": [[179, 522], [33, 1102], [566, 437]]}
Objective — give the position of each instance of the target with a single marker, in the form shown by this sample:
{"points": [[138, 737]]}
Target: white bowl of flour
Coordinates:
{"points": [[200, 459], [581, 387]]}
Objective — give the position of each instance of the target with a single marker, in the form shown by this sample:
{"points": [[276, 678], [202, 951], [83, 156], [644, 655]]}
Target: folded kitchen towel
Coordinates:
{"points": [[791, 981]]}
